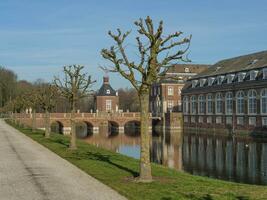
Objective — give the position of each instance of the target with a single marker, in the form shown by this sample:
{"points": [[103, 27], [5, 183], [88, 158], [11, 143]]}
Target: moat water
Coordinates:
{"points": [[222, 157]]}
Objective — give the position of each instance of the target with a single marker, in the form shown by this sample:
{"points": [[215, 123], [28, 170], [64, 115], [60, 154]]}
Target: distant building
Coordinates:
{"points": [[232, 94], [165, 96], [107, 99]]}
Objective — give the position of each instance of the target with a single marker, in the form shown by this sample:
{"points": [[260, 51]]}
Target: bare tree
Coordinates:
{"points": [[157, 53], [75, 86], [47, 100]]}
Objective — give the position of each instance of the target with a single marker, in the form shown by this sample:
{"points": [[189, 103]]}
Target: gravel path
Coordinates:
{"points": [[29, 171]]}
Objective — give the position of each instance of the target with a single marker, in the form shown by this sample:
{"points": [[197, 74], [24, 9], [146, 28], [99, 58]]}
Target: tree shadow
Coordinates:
{"points": [[62, 142], [107, 159]]}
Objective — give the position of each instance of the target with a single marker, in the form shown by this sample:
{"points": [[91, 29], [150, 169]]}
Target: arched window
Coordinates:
{"points": [[193, 104], [209, 104], [252, 102], [185, 105], [219, 103], [229, 103], [240, 102], [201, 103], [264, 101]]}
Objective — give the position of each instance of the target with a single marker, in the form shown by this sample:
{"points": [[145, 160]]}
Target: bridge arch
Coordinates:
{"points": [[57, 127], [132, 128], [113, 128], [84, 129]]}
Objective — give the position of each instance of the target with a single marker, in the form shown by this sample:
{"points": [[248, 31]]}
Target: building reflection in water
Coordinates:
{"points": [[229, 158]]}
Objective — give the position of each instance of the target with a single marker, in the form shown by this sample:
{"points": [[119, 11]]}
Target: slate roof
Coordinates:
{"points": [[236, 64], [193, 68], [103, 90]]}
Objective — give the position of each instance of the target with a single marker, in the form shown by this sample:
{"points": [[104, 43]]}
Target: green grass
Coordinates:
{"points": [[117, 171]]}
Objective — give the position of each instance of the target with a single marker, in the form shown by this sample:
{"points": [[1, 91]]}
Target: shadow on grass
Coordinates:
{"points": [[107, 159]]}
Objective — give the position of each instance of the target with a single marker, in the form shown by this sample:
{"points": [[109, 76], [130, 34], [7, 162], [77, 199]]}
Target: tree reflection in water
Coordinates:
{"points": [[223, 157]]}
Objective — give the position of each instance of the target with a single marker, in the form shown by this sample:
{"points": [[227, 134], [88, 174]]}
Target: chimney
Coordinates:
{"points": [[106, 80]]}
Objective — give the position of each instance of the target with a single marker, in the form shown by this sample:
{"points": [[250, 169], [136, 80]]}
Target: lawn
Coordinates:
{"points": [[118, 172]]}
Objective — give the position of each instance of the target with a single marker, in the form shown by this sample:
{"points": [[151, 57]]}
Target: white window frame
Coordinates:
{"points": [[170, 90], [108, 91], [211, 81], [193, 104], [185, 105], [194, 83], [264, 121], [253, 75], [209, 119], [238, 101], [241, 76], [229, 120], [229, 103], [201, 104], [263, 101], [252, 102], [252, 121], [217, 100], [108, 104], [202, 82], [264, 72], [220, 80], [209, 103], [230, 78], [238, 122]]}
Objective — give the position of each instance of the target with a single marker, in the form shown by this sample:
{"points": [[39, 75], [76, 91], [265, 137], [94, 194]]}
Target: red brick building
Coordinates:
{"points": [[107, 99], [231, 95], [165, 96]]}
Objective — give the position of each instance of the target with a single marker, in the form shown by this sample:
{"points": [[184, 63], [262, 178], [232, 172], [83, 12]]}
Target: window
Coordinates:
{"points": [[202, 82], [209, 120], [241, 76], [218, 120], [210, 81], [200, 119], [108, 105], [201, 103], [264, 121], [193, 105], [193, 119], [194, 83], [264, 101], [155, 91], [170, 105], [240, 102], [108, 91], [230, 78], [229, 120], [220, 80], [264, 71], [252, 121], [219, 103], [229, 103], [240, 121], [186, 70], [253, 75], [209, 104], [185, 105], [252, 102], [170, 90], [185, 118]]}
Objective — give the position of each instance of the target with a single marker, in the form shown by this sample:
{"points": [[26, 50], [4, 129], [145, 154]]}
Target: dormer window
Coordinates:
{"points": [[264, 71], [253, 75], [194, 83], [241, 76], [220, 80], [202, 82], [108, 91], [210, 81], [230, 78]]}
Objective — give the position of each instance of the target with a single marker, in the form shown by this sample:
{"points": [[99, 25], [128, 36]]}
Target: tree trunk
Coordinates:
{"points": [[73, 128], [145, 165], [47, 124], [33, 120]]}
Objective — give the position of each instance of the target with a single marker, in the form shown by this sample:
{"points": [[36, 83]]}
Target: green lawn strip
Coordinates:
{"points": [[117, 171]]}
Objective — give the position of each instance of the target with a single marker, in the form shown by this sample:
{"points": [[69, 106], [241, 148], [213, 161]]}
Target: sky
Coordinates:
{"points": [[38, 37]]}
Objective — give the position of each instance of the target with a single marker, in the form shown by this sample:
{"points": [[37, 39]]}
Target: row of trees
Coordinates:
{"points": [[157, 52]]}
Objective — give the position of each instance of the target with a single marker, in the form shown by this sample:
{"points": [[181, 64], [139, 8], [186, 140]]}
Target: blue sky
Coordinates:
{"points": [[38, 37]]}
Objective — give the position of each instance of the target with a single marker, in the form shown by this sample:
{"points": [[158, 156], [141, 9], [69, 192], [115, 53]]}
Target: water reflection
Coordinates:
{"points": [[229, 158]]}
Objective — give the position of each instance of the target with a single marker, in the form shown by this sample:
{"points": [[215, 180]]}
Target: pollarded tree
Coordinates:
{"points": [[75, 86], [47, 100], [157, 53]]}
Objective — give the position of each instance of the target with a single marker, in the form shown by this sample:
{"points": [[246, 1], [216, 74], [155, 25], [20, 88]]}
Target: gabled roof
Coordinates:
{"points": [[232, 65]]}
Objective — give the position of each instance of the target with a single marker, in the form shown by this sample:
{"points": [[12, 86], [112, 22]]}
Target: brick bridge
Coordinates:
{"points": [[94, 123]]}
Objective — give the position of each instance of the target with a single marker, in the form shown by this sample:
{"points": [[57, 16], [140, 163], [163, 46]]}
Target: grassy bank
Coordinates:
{"points": [[117, 171]]}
